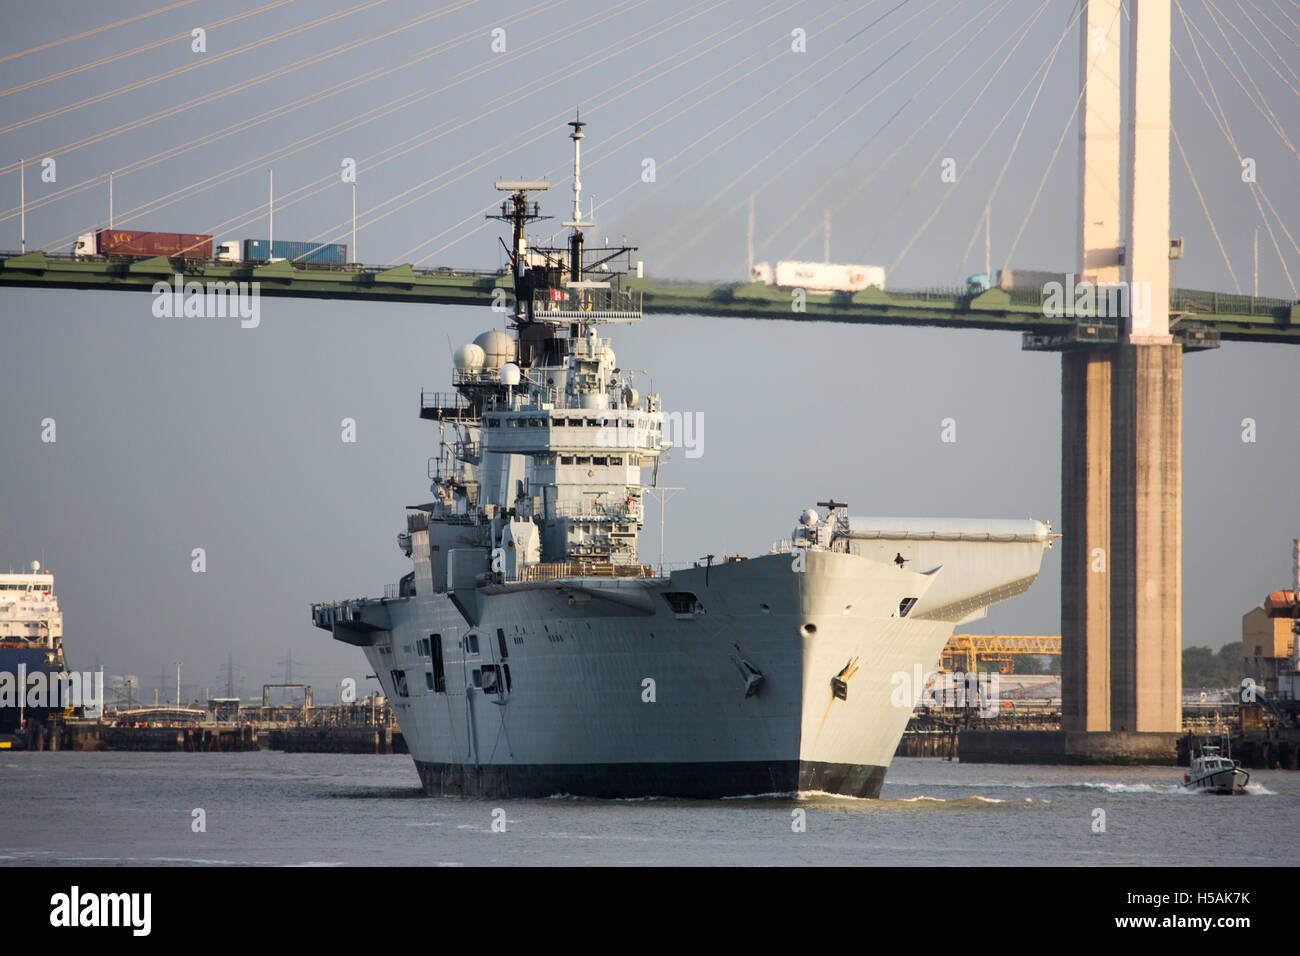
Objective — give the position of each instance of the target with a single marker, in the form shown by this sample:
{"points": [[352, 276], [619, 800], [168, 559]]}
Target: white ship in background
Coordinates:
{"points": [[31, 642], [530, 652]]}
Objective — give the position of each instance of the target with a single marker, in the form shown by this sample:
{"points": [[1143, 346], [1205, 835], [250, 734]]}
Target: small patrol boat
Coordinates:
{"points": [[1215, 772]]}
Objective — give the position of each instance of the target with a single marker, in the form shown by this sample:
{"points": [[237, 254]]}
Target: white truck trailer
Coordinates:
{"points": [[818, 276]]}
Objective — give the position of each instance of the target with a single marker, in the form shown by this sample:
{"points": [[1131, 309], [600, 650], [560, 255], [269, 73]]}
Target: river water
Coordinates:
{"points": [[271, 808]]}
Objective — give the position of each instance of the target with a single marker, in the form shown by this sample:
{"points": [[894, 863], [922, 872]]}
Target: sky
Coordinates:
{"points": [[176, 434]]}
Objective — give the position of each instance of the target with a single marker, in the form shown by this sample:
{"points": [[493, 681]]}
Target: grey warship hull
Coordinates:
{"points": [[530, 652], [617, 781], [743, 678]]}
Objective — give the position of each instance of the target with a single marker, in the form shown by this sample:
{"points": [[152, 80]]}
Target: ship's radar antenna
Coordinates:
{"points": [[518, 211], [839, 514], [550, 283]]}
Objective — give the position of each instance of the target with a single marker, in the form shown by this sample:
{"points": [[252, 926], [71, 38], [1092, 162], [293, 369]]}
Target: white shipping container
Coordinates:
{"points": [[828, 276], [1008, 278]]}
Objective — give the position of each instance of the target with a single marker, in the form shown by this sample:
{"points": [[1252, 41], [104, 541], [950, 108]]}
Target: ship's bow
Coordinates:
{"points": [[874, 618]]}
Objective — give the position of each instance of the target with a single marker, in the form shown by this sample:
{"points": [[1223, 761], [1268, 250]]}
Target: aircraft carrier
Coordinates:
{"points": [[530, 651]]}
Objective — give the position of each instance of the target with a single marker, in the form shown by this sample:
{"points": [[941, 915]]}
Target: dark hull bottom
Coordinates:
{"points": [[622, 780], [33, 660], [1226, 788], [31, 716]]}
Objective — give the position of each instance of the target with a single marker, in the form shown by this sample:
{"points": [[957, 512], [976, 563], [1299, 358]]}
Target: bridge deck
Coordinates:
{"points": [[1199, 315]]}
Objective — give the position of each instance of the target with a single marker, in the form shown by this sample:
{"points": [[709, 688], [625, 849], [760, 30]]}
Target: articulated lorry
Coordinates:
{"points": [[264, 250], [818, 276], [139, 244]]}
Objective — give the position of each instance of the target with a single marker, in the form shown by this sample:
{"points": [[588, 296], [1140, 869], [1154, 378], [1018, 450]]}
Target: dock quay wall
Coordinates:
{"points": [[338, 740], [208, 738], [1120, 748], [91, 737]]}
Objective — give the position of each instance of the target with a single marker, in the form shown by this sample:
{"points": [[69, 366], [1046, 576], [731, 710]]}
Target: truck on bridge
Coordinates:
{"points": [[818, 276], [139, 244], [1007, 278], [264, 250]]}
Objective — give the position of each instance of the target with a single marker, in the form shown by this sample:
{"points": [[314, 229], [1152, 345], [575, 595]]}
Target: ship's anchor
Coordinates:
{"points": [[840, 682], [752, 676]]}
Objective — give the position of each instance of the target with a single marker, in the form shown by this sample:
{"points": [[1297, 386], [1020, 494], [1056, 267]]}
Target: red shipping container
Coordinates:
{"points": [[133, 242]]}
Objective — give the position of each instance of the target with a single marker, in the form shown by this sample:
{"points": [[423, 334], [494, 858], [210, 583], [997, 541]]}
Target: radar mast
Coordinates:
{"points": [[574, 284]]}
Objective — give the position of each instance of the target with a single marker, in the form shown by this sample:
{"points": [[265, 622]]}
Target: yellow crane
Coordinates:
{"points": [[964, 651]]}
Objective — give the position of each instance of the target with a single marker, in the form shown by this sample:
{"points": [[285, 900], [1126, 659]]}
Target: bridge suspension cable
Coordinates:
{"points": [[1280, 10], [182, 108], [1221, 120], [236, 87], [981, 15], [316, 136], [1268, 42], [311, 139], [928, 165], [199, 64], [608, 150], [1040, 72], [143, 48], [276, 112], [862, 182], [214, 180], [1205, 208], [88, 33], [476, 215], [986, 22], [544, 126], [697, 225], [14, 166], [1093, 76], [1262, 106], [1221, 16], [1051, 162], [566, 33], [679, 249]]}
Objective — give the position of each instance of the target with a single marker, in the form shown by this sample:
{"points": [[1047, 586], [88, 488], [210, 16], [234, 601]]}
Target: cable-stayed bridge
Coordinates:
{"points": [[1121, 372]]}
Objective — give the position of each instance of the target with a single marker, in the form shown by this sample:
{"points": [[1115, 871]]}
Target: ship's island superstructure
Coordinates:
{"points": [[530, 651]]}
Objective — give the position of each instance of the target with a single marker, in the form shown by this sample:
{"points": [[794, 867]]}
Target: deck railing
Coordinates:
{"points": [[581, 569], [445, 406]]}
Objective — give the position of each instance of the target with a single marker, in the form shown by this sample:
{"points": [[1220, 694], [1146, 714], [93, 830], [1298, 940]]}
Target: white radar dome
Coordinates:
{"points": [[510, 374], [809, 517], [36, 566], [498, 348], [469, 357]]}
